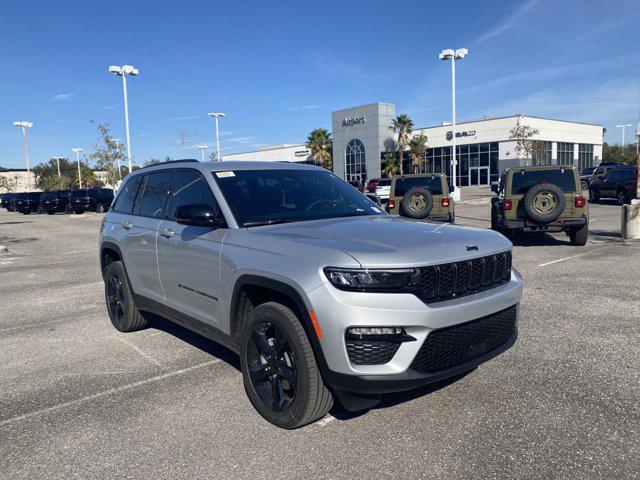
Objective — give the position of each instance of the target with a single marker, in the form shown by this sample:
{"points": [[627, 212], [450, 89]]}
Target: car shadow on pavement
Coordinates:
{"points": [[536, 240], [16, 240], [198, 341], [15, 223], [392, 399]]}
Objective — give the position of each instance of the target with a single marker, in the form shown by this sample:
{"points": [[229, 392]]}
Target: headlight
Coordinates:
{"points": [[373, 280]]}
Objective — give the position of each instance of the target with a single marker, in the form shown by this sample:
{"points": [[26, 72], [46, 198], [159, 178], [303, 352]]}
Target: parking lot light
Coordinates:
{"points": [[57, 159], [78, 150], [24, 125], [453, 55], [216, 116], [123, 71]]}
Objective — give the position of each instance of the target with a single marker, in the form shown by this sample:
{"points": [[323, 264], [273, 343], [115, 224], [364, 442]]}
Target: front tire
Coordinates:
{"points": [[279, 370], [594, 197], [621, 197], [123, 312], [100, 208], [580, 236]]}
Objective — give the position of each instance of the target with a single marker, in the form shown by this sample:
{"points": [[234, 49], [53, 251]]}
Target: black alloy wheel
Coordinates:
{"points": [[621, 197], [115, 298], [272, 368]]}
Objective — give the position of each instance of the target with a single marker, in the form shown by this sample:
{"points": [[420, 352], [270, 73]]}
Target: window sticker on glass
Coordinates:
{"points": [[225, 174]]}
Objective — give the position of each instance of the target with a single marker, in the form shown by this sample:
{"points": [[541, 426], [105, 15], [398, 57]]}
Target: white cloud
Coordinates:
{"points": [[63, 96], [509, 22], [191, 117], [58, 122], [306, 107], [242, 140], [107, 107]]}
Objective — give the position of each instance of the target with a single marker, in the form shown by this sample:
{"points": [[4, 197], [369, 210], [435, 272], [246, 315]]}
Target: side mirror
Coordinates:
{"points": [[451, 188], [199, 215], [494, 187]]}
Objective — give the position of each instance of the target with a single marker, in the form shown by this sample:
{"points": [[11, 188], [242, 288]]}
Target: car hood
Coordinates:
{"points": [[390, 241]]}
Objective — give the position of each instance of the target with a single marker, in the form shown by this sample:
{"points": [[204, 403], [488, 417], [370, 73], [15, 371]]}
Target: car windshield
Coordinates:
{"points": [[384, 182], [523, 180], [262, 197], [80, 193], [588, 170]]}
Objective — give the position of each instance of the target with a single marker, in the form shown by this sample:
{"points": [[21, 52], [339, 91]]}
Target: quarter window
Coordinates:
{"points": [[155, 194], [127, 197]]}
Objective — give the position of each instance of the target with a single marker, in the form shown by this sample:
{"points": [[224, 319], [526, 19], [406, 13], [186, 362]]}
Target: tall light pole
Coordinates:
{"points": [[24, 126], [57, 159], [453, 55], [216, 116], [123, 71], [78, 150], [623, 127], [202, 149], [117, 140]]}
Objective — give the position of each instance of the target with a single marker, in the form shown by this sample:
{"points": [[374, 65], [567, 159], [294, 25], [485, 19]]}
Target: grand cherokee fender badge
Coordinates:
{"points": [[472, 248]]}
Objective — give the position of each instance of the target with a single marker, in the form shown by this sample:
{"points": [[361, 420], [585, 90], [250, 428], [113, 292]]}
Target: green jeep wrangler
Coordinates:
{"points": [[423, 196], [541, 199]]}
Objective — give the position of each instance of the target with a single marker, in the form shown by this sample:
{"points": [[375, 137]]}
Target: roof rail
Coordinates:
{"points": [[183, 160]]}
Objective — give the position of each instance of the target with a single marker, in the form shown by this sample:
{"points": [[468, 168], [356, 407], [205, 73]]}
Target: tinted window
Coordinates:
{"points": [[523, 180], [433, 184], [190, 187], [384, 182], [80, 193], [49, 195], [155, 194], [277, 196], [127, 195]]}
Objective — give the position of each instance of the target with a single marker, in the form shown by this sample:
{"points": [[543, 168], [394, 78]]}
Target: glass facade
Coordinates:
{"points": [[541, 154], [565, 153], [585, 156], [356, 164]]}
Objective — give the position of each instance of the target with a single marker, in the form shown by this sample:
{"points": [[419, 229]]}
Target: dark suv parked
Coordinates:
{"points": [[619, 183], [92, 199], [7, 201], [55, 201], [27, 202]]}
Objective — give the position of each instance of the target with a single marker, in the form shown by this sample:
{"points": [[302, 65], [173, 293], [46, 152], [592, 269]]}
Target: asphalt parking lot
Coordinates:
{"points": [[79, 399]]}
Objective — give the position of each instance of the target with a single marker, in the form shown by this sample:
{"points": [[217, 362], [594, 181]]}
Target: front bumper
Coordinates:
{"points": [[338, 310]]}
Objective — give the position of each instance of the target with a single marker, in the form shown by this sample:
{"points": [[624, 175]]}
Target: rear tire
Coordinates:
{"points": [[621, 197], [580, 236], [100, 209], [584, 184], [417, 203], [279, 370], [123, 312], [594, 196]]}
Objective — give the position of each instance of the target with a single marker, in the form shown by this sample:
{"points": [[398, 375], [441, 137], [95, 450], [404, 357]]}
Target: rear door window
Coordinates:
{"points": [[433, 184], [522, 181], [156, 192], [384, 182]]}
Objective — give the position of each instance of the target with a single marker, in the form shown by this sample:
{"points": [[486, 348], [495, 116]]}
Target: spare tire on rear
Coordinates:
{"points": [[417, 202], [544, 203]]}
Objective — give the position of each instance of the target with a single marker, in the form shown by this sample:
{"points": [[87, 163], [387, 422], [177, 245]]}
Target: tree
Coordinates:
{"points": [[402, 126], [320, 144], [391, 164], [47, 178], [526, 147], [108, 154], [5, 185], [213, 156], [417, 151], [617, 153], [156, 161]]}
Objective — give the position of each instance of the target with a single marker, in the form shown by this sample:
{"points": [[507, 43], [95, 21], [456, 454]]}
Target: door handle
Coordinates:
{"points": [[166, 233], [127, 225]]}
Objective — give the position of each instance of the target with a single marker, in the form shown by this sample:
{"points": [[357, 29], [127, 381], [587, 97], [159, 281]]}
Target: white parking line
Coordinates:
{"points": [[105, 393], [569, 258], [136, 349]]}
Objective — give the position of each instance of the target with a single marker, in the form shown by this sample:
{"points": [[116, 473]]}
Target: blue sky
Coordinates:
{"points": [[279, 68]]}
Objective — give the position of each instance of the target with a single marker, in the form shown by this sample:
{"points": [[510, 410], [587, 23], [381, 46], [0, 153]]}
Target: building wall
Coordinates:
{"points": [[280, 153], [18, 179], [367, 123]]}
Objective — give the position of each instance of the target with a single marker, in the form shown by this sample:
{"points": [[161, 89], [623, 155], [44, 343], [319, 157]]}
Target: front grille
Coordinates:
{"points": [[452, 280], [448, 347], [363, 351]]}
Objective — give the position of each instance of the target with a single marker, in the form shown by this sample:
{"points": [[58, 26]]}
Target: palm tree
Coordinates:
{"points": [[392, 166], [402, 125], [319, 143], [417, 149]]}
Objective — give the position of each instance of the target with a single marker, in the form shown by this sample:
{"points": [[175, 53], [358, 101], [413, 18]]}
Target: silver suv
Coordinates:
{"points": [[321, 293]]}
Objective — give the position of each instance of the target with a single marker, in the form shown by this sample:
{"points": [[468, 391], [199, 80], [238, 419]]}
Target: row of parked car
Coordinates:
{"points": [[58, 201]]}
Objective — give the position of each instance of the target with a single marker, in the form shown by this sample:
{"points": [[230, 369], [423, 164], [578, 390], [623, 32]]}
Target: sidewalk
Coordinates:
{"points": [[475, 195]]}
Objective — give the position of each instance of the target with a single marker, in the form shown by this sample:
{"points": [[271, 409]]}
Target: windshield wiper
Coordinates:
{"points": [[265, 222]]}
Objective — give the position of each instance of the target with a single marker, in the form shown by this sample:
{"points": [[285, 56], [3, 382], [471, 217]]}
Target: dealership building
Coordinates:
{"points": [[362, 135]]}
